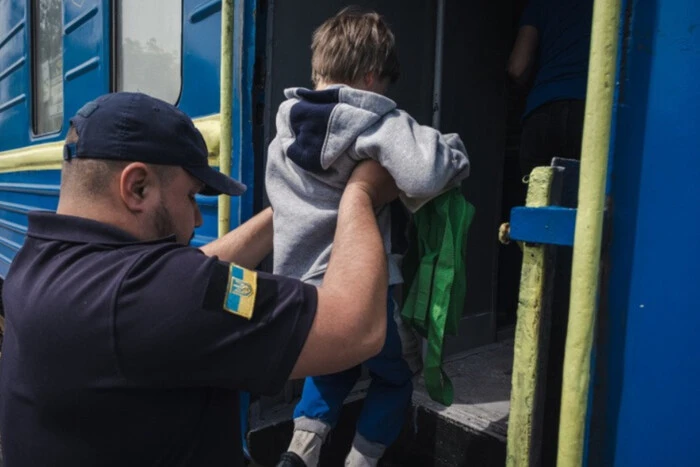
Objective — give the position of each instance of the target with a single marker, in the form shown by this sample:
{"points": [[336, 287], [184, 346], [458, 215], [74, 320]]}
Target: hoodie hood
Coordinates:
{"points": [[317, 127]]}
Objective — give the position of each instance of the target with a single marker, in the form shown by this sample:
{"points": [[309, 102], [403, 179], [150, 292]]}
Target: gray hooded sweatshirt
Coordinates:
{"points": [[321, 137]]}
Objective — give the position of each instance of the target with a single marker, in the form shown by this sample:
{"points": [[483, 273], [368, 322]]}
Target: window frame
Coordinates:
{"points": [[34, 8], [115, 42]]}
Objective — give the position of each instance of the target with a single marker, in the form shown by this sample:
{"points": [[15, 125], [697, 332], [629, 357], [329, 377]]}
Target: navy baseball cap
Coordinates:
{"points": [[135, 127]]}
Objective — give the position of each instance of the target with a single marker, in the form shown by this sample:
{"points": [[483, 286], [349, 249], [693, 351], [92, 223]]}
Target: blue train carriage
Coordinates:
{"points": [[55, 55]]}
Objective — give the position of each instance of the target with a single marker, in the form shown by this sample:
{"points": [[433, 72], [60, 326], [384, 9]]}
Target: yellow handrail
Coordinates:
{"points": [[49, 156], [224, 213], [588, 233]]}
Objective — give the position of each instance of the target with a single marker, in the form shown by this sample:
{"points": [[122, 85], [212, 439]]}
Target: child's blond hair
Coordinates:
{"points": [[352, 44]]}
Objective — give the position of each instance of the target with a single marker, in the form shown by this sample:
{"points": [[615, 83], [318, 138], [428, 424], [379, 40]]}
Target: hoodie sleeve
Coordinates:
{"points": [[422, 161]]}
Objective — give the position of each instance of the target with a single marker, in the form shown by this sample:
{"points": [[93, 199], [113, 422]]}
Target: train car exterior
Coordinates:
{"points": [[57, 55]]}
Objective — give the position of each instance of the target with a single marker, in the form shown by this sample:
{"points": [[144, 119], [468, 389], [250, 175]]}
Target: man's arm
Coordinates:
{"points": [[246, 245], [350, 322], [522, 58]]}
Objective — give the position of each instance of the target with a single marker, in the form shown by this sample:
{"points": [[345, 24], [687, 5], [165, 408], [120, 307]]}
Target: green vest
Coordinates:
{"points": [[435, 278]]}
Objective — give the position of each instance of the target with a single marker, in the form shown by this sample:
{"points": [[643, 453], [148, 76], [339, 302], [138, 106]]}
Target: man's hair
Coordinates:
{"points": [[351, 44], [90, 177]]}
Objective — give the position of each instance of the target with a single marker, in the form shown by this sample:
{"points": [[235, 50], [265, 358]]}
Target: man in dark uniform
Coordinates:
{"points": [[125, 346]]}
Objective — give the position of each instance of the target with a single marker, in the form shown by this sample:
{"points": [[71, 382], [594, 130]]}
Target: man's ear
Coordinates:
{"points": [[137, 186]]}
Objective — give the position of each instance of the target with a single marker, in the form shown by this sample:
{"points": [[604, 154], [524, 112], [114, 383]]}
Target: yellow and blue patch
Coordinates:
{"points": [[240, 291]]}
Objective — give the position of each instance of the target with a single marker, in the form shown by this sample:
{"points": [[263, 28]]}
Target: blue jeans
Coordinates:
{"points": [[388, 397]]}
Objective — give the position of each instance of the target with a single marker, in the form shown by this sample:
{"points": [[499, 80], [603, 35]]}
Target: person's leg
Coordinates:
{"points": [[574, 129], [536, 144], [318, 411], [389, 394]]}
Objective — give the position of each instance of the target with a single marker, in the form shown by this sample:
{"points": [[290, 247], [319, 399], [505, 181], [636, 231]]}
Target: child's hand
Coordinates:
{"points": [[374, 180]]}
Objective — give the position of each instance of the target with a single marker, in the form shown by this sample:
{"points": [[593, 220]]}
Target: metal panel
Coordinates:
{"points": [[21, 192], [201, 48], [15, 68], [201, 62], [552, 225], [244, 56], [86, 56], [645, 406], [477, 43]]}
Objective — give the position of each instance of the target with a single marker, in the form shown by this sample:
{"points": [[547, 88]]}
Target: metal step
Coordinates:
{"points": [[471, 432]]}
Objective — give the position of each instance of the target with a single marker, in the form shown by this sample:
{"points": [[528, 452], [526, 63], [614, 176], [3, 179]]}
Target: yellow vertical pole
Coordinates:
{"points": [[224, 213], [528, 358], [588, 233]]}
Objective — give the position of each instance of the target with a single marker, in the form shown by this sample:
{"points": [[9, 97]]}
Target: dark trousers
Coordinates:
{"points": [[552, 130]]}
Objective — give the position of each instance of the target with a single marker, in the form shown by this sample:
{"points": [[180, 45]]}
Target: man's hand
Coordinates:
{"points": [[374, 180]]}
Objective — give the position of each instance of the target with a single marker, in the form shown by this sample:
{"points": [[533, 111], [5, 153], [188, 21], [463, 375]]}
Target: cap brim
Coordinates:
{"points": [[215, 182]]}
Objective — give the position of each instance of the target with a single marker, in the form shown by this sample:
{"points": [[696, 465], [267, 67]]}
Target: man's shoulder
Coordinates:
{"points": [[80, 267], [159, 262], [58, 261]]}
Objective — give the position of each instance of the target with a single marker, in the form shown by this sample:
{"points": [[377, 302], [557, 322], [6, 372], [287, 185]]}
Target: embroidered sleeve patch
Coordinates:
{"points": [[240, 291]]}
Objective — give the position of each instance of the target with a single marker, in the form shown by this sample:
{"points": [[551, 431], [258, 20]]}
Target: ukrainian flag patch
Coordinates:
{"points": [[240, 291]]}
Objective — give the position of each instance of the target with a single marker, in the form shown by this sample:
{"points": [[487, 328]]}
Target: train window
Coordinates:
{"points": [[149, 48], [47, 65]]}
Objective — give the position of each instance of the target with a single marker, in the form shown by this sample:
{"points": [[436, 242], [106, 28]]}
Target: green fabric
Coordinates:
{"points": [[434, 272]]}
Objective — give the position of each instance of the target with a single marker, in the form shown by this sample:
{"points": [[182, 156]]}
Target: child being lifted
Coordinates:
{"points": [[321, 135]]}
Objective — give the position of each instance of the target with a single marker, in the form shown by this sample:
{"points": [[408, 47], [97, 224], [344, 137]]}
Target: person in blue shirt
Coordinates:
{"points": [[551, 54]]}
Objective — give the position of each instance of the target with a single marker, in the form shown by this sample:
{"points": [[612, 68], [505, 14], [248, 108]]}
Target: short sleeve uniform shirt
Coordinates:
{"points": [[121, 352]]}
